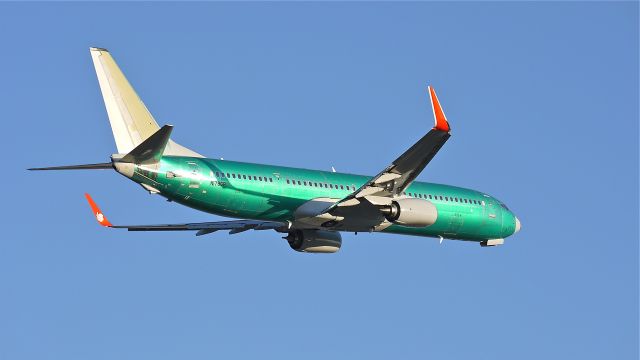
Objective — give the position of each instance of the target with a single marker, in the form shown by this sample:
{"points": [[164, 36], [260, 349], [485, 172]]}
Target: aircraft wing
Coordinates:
{"points": [[234, 226], [395, 178]]}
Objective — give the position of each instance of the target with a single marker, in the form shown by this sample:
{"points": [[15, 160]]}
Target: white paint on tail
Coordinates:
{"points": [[131, 121]]}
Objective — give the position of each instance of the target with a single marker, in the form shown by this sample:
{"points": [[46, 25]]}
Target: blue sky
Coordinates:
{"points": [[543, 102]]}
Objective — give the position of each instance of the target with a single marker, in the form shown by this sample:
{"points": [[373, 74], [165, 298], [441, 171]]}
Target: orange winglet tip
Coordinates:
{"points": [[441, 120], [102, 220]]}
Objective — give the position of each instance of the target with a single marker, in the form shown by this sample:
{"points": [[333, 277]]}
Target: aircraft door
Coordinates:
{"points": [[190, 180], [493, 215], [194, 176], [456, 223]]}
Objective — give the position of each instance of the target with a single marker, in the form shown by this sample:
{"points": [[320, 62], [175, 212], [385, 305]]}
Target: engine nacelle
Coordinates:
{"points": [[314, 241], [411, 212]]}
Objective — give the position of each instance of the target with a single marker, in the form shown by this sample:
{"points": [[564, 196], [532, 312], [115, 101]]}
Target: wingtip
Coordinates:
{"points": [[98, 49], [441, 120], [102, 220]]}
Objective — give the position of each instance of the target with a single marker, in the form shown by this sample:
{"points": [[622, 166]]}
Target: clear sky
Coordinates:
{"points": [[543, 102]]}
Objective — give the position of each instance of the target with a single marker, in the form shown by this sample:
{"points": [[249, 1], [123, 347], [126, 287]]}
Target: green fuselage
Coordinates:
{"points": [[265, 192]]}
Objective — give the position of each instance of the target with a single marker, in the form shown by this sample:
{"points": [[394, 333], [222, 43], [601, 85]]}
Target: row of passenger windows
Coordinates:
{"points": [[343, 187], [444, 198], [321, 185], [243, 177]]}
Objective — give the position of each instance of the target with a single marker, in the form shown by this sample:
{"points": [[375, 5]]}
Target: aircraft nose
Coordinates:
{"points": [[517, 225]]}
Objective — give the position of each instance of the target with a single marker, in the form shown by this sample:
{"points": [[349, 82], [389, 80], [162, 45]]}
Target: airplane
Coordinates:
{"points": [[310, 207]]}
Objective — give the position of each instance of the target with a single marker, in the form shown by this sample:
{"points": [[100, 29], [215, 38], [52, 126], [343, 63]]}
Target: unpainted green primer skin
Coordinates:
{"points": [[265, 192]]}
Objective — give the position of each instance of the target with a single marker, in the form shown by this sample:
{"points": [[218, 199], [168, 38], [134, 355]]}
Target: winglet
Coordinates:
{"points": [[441, 120], [97, 212]]}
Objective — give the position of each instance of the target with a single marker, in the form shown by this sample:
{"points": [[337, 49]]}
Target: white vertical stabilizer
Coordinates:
{"points": [[130, 120]]}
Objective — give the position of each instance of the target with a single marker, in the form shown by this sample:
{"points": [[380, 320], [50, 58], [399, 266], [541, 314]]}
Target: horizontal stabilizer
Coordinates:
{"points": [[100, 166], [149, 151]]}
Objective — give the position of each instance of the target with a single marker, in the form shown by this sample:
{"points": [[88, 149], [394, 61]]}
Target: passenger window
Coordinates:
{"points": [[244, 177], [233, 176], [341, 187], [270, 179], [331, 186], [287, 181], [326, 186]]}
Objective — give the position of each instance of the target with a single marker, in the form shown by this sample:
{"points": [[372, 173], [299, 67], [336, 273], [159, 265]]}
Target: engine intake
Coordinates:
{"points": [[411, 212], [314, 241]]}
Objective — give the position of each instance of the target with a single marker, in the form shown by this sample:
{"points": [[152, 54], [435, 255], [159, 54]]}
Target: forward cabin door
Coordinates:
{"points": [[493, 217]]}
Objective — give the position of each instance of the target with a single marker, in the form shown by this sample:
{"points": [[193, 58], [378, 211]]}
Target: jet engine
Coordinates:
{"points": [[314, 241], [411, 212]]}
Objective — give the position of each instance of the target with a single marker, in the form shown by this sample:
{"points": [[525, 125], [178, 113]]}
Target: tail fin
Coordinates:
{"points": [[131, 121]]}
